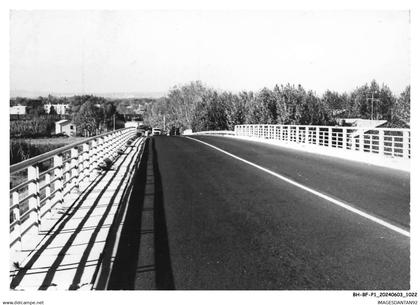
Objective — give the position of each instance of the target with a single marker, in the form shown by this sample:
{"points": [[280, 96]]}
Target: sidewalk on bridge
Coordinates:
{"points": [[68, 255]]}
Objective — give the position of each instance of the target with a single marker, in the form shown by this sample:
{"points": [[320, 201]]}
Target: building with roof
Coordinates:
{"points": [[18, 109], [66, 127]]}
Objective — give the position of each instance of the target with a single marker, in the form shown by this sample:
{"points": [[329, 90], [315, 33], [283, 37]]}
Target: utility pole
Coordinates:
{"points": [[114, 120], [372, 100]]}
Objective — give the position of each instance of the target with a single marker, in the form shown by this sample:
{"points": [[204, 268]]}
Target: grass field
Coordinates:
{"points": [[22, 149]]}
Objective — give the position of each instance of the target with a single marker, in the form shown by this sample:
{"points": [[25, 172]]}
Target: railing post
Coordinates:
{"points": [[47, 204], [317, 135], [306, 141], [58, 175], [100, 150], [344, 142], [289, 133], [33, 201], [362, 141], [85, 168], [93, 156], [74, 165], [406, 145], [330, 137], [17, 246], [381, 142]]}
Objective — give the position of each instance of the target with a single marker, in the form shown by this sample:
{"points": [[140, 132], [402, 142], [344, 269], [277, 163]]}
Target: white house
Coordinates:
{"points": [[66, 127], [59, 108], [132, 124], [19, 109]]}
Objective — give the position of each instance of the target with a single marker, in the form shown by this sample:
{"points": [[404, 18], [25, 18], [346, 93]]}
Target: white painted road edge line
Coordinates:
{"points": [[312, 191]]}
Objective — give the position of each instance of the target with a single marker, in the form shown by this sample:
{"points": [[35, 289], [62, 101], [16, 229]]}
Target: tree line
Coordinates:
{"points": [[199, 107]]}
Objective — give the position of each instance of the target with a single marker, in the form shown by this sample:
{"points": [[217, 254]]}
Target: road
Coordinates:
{"points": [[200, 219]]}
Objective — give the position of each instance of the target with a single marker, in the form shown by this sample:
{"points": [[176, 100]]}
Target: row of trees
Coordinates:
{"points": [[200, 108]]}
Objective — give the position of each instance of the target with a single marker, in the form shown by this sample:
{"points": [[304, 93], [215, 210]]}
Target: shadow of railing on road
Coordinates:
{"points": [[126, 267]]}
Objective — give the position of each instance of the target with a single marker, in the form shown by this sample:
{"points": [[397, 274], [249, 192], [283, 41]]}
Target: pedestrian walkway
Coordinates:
{"points": [[71, 249]]}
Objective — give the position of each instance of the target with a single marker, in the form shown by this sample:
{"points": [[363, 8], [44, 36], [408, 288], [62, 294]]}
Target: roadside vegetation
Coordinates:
{"points": [[199, 107]]}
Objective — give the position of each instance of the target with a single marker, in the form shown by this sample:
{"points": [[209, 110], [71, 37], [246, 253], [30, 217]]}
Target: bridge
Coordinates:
{"points": [[260, 207]]}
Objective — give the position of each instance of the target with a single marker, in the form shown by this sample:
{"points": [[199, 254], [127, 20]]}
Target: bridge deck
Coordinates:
{"points": [[69, 253]]}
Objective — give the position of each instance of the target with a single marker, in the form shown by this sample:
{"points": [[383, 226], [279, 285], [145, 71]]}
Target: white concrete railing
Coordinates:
{"points": [[216, 132], [40, 184], [382, 141]]}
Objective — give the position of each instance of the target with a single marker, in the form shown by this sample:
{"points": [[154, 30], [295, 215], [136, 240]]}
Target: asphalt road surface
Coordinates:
{"points": [[200, 219]]}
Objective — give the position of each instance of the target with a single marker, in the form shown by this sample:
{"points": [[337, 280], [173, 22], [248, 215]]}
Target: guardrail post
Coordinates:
{"points": [[100, 150], [289, 133], [58, 184], [74, 165], [306, 138], [330, 137], [47, 194], [93, 155], [381, 142], [17, 236], [344, 141], [362, 141], [85, 168], [33, 201], [406, 144], [317, 135]]}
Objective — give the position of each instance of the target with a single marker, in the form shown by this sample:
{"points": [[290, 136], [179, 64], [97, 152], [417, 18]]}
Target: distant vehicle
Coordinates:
{"points": [[143, 130], [174, 131], [156, 131]]}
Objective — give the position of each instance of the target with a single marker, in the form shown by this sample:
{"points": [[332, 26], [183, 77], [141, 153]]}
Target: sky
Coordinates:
{"points": [[152, 51]]}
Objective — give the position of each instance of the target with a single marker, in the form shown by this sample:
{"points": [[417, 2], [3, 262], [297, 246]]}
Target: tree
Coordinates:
{"points": [[87, 119], [109, 113], [334, 103], [52, 111], [401, 109], [35, 108], [262, 108], [210, 113], [235, 109]]}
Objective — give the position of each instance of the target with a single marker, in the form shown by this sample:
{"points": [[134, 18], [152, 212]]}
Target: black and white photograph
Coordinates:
{"points": [[209, 150]]}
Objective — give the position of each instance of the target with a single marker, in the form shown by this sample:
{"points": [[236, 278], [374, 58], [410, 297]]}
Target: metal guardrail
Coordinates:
{"points": [[40, 184], [393, 142]]}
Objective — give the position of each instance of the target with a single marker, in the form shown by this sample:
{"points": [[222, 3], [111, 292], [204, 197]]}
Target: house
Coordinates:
{"points": [[66, 127], [18, 109], [362, 123], [132, 124]]}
